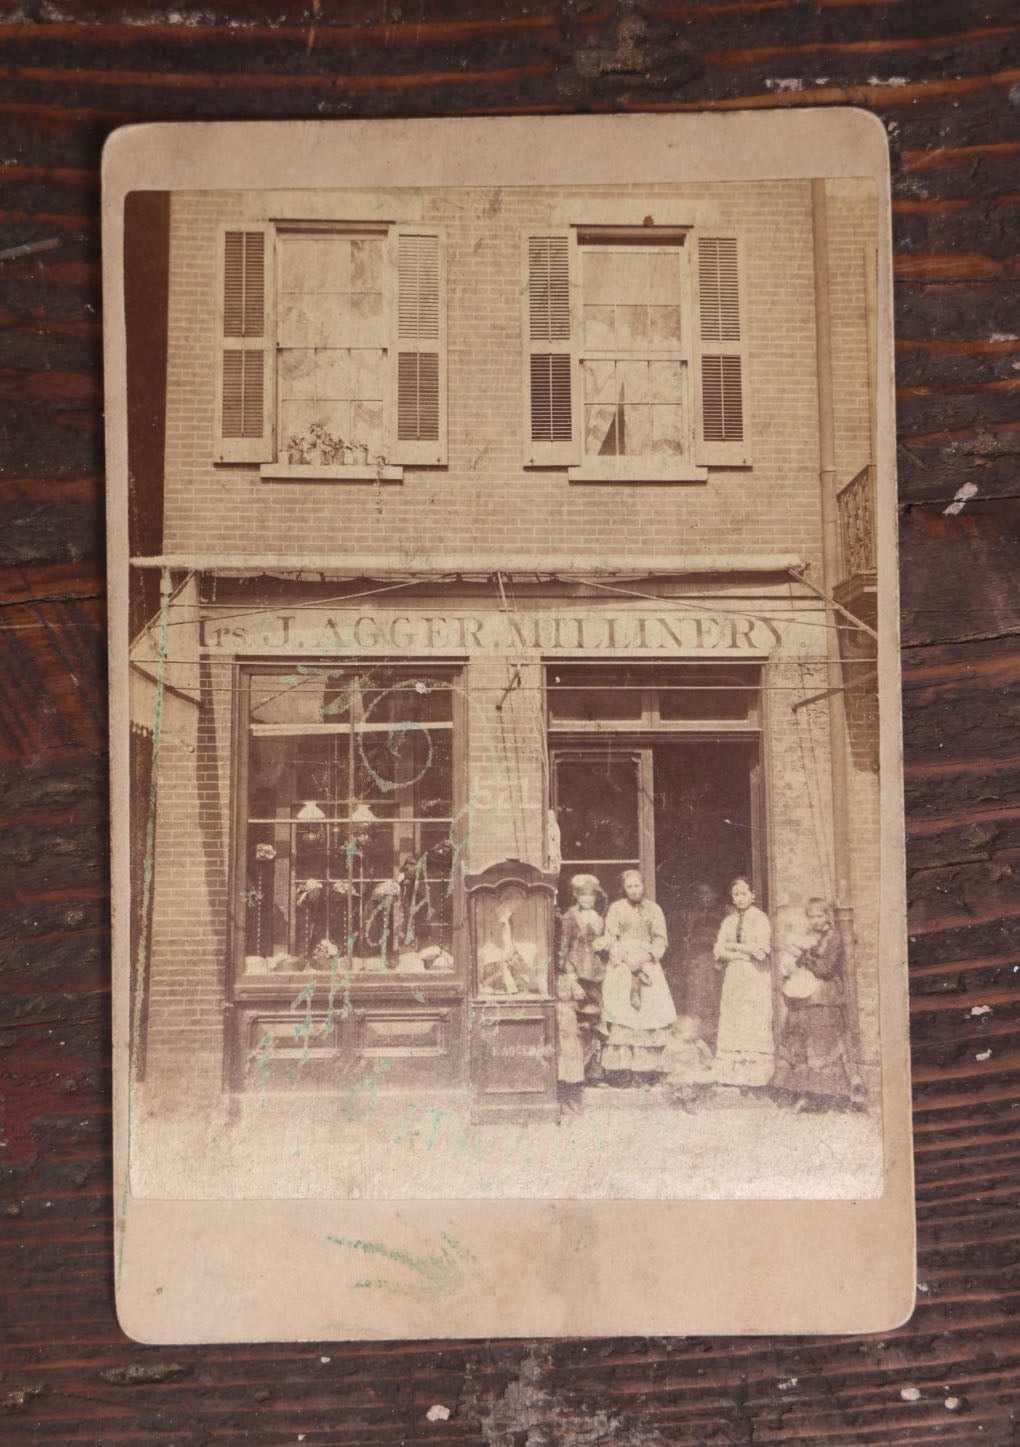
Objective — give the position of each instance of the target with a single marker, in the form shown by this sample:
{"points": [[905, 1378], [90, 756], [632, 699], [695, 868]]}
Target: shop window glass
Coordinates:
{"points": [[707, 691], [589, 694], [349, 811]]}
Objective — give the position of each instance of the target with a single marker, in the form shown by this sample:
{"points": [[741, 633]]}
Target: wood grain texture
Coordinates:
{"points": [[944, 77]]}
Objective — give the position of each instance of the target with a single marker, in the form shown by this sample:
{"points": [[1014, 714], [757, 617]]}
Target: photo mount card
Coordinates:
{"points": [[508, 873]]}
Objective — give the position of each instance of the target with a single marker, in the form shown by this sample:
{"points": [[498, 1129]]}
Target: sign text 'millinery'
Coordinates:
{"points": [[451, 633]]}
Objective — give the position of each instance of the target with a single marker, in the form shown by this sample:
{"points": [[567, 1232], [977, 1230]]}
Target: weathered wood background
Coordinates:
{"points": [[944, 77]]}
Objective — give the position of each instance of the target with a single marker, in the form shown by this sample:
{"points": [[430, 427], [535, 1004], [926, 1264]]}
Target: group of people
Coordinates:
{"points": [[746, 1021]]}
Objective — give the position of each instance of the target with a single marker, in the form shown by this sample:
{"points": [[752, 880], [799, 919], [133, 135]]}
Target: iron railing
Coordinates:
{"points": [[856, 503]]}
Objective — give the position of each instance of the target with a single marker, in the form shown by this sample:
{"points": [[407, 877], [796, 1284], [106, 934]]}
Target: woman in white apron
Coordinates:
{"points": [[637, 1009]]}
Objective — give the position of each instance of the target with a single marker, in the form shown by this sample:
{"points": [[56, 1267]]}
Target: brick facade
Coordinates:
{"points": [[484, 502]]}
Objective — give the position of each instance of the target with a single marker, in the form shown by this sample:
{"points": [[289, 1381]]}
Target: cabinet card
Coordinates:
{"points": [[508, 842]]}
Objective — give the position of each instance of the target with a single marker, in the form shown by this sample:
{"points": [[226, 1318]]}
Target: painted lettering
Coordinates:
{"points": [[740, 632], [706, 632], [777, 636], [666, 627], [435, 632], [401, 632], [468, 632], [284, 620], [366, 635], [332, 637], [518, 634]]}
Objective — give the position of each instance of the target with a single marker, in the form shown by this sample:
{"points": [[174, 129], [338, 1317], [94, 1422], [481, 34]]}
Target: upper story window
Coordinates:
{"points": [[636, 364], [333, 349]]}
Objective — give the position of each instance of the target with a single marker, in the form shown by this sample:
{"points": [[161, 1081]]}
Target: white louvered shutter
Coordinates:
{"points": [[552, 433], [418, 428], [244, 392], [722, 365]]}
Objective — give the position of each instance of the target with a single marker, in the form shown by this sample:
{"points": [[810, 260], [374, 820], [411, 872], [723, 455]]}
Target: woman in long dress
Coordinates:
{"points": [[744, 1047], [637, 1008], [814, 1070]]}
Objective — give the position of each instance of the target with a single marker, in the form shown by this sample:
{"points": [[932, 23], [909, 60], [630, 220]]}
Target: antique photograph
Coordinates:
{"points": [[505, 779]]}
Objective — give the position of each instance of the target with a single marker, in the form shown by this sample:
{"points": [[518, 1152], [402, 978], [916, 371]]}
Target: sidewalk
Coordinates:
{"points": [[624, 1144]]}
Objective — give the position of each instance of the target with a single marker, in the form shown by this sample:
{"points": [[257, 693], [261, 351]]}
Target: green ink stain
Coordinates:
{"points": [[439, 1272]]}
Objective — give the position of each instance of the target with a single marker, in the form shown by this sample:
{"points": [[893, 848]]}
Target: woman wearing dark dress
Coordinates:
{"points": [[813, 1065]]}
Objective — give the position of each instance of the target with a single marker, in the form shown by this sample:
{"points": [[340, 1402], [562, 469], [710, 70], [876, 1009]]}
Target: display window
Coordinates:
{"points": [[347, 849]]}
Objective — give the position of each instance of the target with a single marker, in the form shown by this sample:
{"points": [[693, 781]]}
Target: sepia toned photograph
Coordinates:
{"points": [[504, 697], [505, 817]]}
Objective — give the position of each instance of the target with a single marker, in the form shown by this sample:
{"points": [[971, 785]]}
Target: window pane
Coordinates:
{"points": [[599, 328], [599, 381], [664, 278], [297, 374], [669, 432], [632, 381], [366, 382], [600, 275], [366, 320], [591, 693], [664, 323], [389, 696], [665, 381], [367, 427], [366, 263], [597, 808], [632, 328], [600, 431], [707, 691], [331, 370], [287, 697], [636, 431]]}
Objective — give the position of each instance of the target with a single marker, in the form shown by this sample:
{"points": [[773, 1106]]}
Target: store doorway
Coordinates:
{"points": [[683, 812], [672, 786]]}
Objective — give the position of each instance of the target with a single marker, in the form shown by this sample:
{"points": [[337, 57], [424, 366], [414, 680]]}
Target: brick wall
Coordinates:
{"points": [[485, 498], [190, 899]]}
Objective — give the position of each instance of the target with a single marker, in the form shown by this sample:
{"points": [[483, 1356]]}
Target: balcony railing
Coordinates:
{"points": [[856, 504]]}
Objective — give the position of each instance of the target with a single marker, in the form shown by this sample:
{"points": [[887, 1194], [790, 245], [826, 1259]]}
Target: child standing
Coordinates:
{"points": [[580, 926], [569, 1054]]}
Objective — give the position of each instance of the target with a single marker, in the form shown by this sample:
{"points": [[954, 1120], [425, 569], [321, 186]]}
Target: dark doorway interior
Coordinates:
{"points": [[705, 834], [682, 810]]}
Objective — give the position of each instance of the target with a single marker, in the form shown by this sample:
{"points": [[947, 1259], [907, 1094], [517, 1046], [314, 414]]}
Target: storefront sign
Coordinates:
{"points": [[686, 632]]}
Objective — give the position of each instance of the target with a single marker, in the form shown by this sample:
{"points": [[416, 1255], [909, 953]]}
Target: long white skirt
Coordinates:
{"points": [[636, 1038], [744, 1048]]}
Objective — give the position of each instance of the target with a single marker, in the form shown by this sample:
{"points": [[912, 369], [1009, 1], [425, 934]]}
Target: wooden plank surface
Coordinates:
{"points": [[944, 77]]}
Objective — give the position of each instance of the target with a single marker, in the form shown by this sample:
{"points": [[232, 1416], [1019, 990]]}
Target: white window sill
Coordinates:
{"points": [[310, 472], [634, 473]]}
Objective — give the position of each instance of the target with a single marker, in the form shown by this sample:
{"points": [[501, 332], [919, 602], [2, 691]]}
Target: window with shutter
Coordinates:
{"points": [[244, 392], [723, 436], [333, 350], [552, 432], [420, 434], [633, 331]]}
